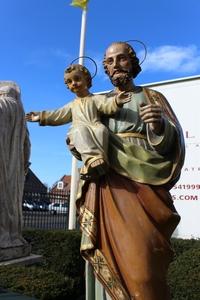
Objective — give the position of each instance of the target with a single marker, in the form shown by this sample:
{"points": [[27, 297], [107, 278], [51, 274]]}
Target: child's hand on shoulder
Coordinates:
{"points": [[123, 98]]}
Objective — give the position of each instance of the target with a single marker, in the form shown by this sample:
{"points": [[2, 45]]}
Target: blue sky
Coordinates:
{"points": [[39, 38]]}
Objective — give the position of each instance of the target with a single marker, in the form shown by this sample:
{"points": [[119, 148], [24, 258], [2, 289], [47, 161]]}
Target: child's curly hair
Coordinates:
{"points": [[84, 70]]}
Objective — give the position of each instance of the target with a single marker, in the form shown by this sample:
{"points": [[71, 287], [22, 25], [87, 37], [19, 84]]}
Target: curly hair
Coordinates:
{"points": [[132, 54], [82, 69]]}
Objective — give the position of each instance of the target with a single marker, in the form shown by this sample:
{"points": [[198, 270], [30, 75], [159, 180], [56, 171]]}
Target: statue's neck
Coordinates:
{"points": [[82, 94]]}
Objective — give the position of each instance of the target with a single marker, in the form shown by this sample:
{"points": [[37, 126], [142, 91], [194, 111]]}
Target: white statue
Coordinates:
{"points": [[14, 161]]}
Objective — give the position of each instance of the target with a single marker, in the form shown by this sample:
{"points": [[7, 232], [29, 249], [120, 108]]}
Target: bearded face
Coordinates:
{"points": [[118, 64], [120, 77]]}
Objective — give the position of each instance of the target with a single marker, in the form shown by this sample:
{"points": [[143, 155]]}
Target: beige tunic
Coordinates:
{"points": [[87, 133]]}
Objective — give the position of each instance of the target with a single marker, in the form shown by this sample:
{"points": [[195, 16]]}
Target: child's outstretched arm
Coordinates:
{"points": [[32, 117], [55, 117]]}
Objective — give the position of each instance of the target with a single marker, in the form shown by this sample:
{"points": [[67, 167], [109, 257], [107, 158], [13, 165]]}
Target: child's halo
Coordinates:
{"points": [[95, 72]]}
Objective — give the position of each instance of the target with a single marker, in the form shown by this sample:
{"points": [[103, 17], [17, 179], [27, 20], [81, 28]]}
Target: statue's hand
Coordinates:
{"points": [[123, 98], [32, 117], [152, 114]]}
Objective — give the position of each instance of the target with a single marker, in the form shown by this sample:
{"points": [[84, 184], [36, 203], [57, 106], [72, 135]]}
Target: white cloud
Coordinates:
{"points": [[169, 58], [60, 53], [46, 56]]}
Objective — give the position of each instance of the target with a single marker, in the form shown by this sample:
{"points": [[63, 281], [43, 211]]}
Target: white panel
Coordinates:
{"points": [[184, 97]]}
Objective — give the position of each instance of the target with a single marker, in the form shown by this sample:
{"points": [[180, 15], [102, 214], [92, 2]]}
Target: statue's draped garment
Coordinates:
{"points": [[14, 160], [127, 217]]}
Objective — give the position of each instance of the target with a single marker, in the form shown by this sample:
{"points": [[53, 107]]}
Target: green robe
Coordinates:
{"points": [[148, 158]]}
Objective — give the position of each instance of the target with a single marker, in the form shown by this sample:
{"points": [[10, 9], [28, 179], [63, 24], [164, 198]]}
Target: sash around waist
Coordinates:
{"points": [[131, 134]]}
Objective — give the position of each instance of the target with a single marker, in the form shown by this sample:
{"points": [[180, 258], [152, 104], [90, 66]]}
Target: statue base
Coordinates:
{"points": [[32, 259], [15, 252]]}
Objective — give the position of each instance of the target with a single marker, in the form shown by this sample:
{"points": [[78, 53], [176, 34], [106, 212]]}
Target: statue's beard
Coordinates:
{"points": [[121, 80]]}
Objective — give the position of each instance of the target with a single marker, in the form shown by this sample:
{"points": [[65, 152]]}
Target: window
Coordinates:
{"points": [[60, 185]]}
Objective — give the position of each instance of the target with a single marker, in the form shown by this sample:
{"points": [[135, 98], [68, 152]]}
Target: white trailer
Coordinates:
{"points": [[184, 96]]}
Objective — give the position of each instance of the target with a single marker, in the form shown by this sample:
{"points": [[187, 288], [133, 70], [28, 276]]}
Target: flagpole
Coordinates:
{"points": [[74, 169], [82, 36]]}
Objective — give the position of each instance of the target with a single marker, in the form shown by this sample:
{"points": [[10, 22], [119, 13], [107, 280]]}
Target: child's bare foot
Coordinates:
{"points": [[97, 168]]}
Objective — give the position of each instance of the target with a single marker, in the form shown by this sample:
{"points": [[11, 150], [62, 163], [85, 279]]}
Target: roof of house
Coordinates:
{"points": [[33, 183], [59, 187]]}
